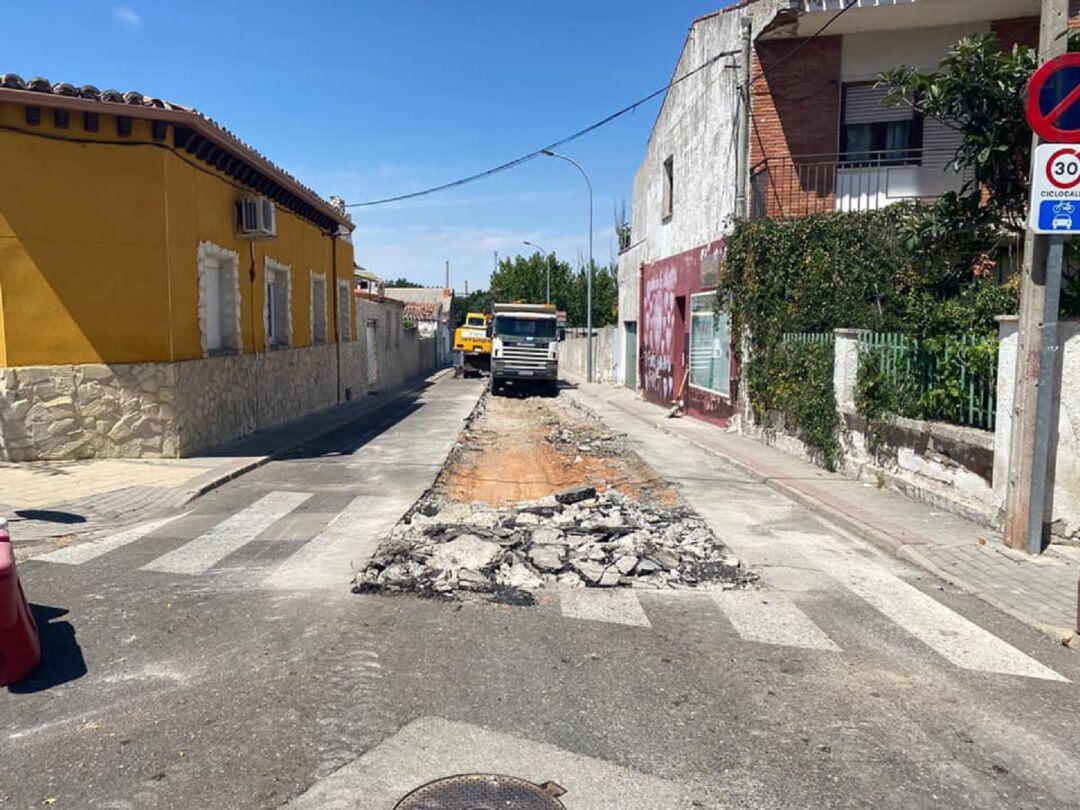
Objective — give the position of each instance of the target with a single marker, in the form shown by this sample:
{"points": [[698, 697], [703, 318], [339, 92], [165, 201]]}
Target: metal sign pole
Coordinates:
{"points": [[1026, 496]]}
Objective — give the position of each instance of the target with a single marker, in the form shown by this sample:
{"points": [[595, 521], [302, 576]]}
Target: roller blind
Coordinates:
{"points": [[865, 104]]}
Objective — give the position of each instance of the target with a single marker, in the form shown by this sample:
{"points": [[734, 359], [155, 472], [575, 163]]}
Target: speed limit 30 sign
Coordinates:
{"points": [[1055, 189]]}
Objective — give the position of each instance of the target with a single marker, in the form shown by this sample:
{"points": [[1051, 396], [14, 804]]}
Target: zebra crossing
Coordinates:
{"points": [[322, 558]]}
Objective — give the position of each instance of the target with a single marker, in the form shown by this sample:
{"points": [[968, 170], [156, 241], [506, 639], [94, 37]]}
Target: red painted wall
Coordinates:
{"points": [[664, 329]]}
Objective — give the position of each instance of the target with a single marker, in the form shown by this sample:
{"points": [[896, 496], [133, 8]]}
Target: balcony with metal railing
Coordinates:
{"points": [[794, 186]]}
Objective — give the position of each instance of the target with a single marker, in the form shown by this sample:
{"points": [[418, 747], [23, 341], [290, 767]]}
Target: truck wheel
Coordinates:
{"points": [[496, 387]]}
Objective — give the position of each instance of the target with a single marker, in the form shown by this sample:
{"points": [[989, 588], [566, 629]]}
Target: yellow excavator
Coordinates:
{"points": [[472, 345]]}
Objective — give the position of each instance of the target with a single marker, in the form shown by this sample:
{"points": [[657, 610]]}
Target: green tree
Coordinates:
{"points": [[978, 92], [524, 279], [476, 301], [961, 237], [401, 281]]}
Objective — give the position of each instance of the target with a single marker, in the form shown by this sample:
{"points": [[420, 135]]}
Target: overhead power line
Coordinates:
{"points": [[510, 164], [551, 146]]}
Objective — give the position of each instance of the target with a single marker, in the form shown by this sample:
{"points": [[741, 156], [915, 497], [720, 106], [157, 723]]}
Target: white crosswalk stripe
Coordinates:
{"points": [[615, 606], [84, 552], [768, 617], [945, 631], [231, 534], [347, 542]]}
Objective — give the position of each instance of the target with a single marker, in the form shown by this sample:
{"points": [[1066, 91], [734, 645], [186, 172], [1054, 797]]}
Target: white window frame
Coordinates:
{"points": [[710, 313], [277, 325], [227, 296], [318, 309], [343, 311]]}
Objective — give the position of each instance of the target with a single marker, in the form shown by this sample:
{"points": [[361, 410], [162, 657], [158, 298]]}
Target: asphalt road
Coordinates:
{"points": [[217, 659]]}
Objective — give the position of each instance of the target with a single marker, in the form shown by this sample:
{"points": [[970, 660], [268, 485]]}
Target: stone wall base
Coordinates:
{"points": [[154, 410], [946, 466]]}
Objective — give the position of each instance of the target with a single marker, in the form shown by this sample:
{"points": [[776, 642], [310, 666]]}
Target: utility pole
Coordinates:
{"points": [[447, 285], [1026, 519], [742, 156]]}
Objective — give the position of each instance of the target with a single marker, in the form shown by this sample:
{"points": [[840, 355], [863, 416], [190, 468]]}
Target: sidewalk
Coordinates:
{"points": [[47, 502], [1041, 592]]}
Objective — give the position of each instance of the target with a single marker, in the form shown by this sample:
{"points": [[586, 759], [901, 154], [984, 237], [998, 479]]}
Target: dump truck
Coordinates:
{"points": [[524, 347], [472, 345]]}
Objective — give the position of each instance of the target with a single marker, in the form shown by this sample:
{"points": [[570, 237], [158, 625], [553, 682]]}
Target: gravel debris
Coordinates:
{"points": [[587, 535]]}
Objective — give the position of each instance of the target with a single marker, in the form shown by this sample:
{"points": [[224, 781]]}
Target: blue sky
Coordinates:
{"points": [[372, 99]]}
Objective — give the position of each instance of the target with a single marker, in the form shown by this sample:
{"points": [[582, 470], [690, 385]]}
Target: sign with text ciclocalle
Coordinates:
{"points": [[1055, 189]]}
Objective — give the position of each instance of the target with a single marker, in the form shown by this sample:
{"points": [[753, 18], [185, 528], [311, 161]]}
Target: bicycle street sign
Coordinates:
{"points": [[1055, 190]]}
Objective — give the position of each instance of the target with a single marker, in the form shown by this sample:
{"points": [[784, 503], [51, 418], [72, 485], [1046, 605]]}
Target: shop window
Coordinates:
{"points": [[710, 345], [219, 299]]}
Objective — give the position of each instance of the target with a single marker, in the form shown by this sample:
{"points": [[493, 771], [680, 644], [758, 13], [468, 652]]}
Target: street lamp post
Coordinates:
{"points": [[589, 274], [547, 267]]}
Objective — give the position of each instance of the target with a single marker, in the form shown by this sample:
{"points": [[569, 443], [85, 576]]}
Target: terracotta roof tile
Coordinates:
{"points": [[134, 98]]}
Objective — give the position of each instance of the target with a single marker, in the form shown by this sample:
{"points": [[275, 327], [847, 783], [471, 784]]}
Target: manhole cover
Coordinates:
{"points": [[483, 791]]}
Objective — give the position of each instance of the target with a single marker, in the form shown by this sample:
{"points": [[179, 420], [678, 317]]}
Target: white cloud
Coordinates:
{"points": [[127, 17]]}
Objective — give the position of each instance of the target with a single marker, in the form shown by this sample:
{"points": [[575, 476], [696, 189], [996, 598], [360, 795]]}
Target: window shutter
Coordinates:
{"points": [[865, 104]]}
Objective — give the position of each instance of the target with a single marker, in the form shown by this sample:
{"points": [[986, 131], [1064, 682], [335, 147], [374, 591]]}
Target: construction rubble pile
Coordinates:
{"points": [[575, 538]]}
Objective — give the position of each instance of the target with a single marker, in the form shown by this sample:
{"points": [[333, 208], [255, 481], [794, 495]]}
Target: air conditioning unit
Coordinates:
{"points": [[255, 218]]}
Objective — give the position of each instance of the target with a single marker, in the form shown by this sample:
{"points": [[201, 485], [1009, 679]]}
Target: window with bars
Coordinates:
{"points": [[344, 299], [318, 308], [276, 312], [219, 299]]}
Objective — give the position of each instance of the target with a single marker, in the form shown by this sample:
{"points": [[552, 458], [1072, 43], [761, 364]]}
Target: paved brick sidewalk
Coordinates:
{"points": [[1041, 592], [52, 502]]}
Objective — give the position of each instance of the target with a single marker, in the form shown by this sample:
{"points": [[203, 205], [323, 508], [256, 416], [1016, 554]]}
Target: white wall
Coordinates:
{"points": [[864, 56], [1065, 422], [697, 125]]}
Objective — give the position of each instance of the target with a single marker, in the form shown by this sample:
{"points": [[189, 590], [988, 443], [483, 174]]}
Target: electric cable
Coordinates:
{"points": [[510, 164], [550, 147]]}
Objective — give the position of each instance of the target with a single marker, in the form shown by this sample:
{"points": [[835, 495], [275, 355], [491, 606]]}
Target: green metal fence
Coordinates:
{"points": [[952, 380], [807, 337]]}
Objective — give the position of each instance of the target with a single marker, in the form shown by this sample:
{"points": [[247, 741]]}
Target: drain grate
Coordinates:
{"points": [[483, 791]]}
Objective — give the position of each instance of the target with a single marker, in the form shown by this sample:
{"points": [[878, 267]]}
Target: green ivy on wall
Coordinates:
{"points": [[842, 270]]}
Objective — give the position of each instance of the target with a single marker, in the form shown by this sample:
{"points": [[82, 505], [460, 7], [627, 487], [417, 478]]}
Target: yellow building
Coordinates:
{"points": [[163, 286]]}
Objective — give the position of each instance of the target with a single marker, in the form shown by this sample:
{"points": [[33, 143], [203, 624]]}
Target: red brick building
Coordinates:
{"points": [[820, 138]]}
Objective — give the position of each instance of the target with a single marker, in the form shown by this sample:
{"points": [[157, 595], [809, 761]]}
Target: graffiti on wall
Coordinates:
{"points": [[658, 337]]}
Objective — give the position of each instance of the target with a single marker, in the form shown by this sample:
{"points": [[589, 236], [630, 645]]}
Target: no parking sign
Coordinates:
{"points": [[1053, 111]]}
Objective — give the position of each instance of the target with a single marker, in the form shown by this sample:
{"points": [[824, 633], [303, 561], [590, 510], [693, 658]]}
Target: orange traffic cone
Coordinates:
{"points": [[20, 647]]}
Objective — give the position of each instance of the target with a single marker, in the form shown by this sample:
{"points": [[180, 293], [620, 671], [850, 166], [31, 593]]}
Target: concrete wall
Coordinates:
{"points": [[607, 344], [949, 466], [1064, 507], [696, 126], [398, 353]]}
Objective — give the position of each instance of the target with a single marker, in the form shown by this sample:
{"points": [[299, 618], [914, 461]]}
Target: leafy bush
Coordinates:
{"points": [[844, 270], [797, 382]]}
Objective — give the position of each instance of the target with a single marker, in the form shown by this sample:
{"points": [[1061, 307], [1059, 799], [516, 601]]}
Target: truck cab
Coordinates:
{"points": [[524, 347]]}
